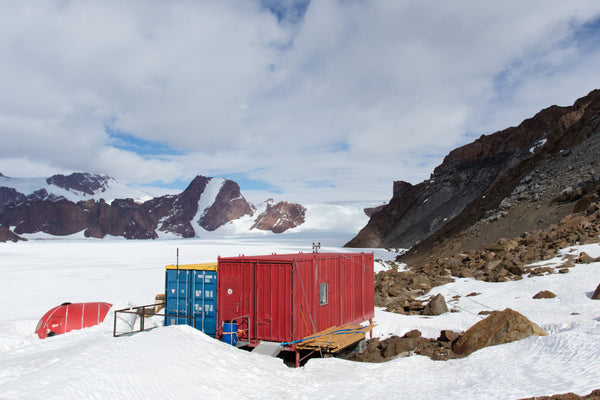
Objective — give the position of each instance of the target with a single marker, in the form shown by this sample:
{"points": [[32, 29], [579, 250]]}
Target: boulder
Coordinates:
{"points": [[498, 328], [544, 294], [415, 333], [583, 204], [584, 258], [421, 281], [448, 336], [596, 295], [436, 306]]}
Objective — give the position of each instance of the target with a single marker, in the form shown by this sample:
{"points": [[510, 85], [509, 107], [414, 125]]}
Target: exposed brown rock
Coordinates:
{"points": [[384, 350], [436, 306], [595, 395], [10, 195], [448, 336], [498, 328], [370, 211], [175, 212], [228, 206], [81, 182], [584, 258], [544, 294], [585, 202], [596, 295], [6, 235], [280, 217], [475, 179], [415, 333], [55, 218], [46, 212], [120, 218]]}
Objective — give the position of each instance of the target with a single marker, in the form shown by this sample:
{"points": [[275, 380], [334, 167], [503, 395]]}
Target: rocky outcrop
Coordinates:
{"points": [[280, 217], [436, 306], [544, 294], [58, 218], [221, 201], [174, 213], [596, 295], [229, 205], [594, 395], [500, 261], [370, 211], [6, 235], [498, 328], [398, 290], [476, 178], [10, 195], [121, 218], [412, 342], [81, 182]]}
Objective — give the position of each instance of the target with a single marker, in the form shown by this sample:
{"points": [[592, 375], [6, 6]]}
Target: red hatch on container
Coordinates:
{"points": [[287, 297]]}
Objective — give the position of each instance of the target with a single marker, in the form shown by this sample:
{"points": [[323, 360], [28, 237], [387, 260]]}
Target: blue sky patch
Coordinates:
{"points": [[142, 147], [588, 35], [291, 11]]}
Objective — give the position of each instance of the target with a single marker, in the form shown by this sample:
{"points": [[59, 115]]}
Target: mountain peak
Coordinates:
{"points": [[80, 181], [477, 183]]}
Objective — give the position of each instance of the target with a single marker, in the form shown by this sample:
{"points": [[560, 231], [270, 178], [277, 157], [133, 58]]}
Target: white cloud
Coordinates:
{"points": [[335, 104]]}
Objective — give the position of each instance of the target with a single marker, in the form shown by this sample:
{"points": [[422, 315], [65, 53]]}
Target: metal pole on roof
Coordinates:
{"points": [[177, 275]]}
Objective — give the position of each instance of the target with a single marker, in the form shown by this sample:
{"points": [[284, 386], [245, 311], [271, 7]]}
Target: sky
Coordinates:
{"points": [[323, 100]]}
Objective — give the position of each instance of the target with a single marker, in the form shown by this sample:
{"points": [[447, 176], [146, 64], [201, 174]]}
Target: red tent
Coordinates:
{"points": [[71, 316]]}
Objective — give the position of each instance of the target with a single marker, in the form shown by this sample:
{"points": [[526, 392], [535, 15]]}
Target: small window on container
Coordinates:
{"points": [[323, 294]]}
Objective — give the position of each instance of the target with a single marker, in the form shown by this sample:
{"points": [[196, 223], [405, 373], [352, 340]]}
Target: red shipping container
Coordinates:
{"points": [[287, 297]]}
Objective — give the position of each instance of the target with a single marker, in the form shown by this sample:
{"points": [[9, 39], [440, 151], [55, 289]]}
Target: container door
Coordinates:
{"points": [[236, 280], [204, 300], [273, 302], [177, 297]]}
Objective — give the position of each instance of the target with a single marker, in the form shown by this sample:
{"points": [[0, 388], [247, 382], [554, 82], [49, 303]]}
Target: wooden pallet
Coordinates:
{"points": [[335, 338]]}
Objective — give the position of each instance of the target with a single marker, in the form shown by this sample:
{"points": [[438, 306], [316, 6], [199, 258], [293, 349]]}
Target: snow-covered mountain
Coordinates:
{"points": [[75, 187], [98, 206]]}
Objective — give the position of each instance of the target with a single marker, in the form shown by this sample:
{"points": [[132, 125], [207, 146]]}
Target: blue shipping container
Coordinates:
{"points": [[191, 291]]}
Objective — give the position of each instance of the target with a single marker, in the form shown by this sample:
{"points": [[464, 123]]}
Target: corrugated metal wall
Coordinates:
{"points": [[291, 296], [191, 291]]}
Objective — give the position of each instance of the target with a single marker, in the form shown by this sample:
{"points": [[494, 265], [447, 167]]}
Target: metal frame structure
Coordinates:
{"points": [[143, 312]]}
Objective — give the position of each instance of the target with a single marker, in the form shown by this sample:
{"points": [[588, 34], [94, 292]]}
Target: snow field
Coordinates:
{"points": [[181, 362]]}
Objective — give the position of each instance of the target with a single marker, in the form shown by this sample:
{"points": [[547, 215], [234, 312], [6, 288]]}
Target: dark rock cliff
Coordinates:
{"points": [[476, 177]]}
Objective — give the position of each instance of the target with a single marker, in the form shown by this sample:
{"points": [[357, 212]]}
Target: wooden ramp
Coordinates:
{"points": [[335, 338]]}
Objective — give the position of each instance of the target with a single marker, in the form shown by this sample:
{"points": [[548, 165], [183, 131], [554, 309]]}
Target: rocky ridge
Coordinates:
{"points": [[473, 180], [280, 217], [221, 201], [544, 202], [500, 261]]}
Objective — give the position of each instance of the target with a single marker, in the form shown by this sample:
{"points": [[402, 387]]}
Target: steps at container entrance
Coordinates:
{"points": [[268, 348], [335, 338]]}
